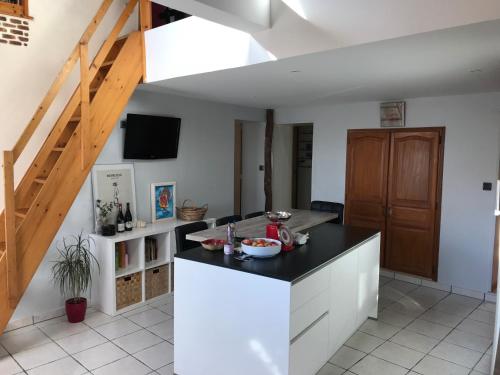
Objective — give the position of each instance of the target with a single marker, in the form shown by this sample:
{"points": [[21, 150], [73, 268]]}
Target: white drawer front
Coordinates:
{"points": [[309, 352], [310, 287], [308, 313]]}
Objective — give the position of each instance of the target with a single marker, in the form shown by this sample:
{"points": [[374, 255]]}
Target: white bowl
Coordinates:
{"points": [[262, 252]]}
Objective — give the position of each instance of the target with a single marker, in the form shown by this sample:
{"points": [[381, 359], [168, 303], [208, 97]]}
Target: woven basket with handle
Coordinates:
{"points": [[190, 212]]}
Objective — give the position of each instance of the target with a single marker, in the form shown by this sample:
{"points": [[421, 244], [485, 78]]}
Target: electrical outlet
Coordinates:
{"points": [[487, 186]]}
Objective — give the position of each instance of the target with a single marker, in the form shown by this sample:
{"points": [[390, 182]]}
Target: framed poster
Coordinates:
{"points": [[114, 184], [163, 201], [392, 115]]}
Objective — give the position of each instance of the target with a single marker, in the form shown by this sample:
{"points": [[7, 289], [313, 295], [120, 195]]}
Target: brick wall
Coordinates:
{"points": [[14, 30]]}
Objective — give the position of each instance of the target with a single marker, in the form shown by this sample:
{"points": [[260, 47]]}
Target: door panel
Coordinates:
{"points": [[412, 197], [366, 180]]}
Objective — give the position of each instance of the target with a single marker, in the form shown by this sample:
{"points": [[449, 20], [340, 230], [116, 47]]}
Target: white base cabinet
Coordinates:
{"points": [[245, 324]]}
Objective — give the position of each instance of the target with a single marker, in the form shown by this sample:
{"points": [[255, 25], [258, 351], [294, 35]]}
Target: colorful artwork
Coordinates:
{"points": [[163, 201]]}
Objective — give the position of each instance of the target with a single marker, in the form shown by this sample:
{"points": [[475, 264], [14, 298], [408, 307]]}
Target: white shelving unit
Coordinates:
{"points": [[105, 253]]}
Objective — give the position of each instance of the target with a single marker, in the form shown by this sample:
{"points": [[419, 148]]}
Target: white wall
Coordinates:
{"points": [[252, 179], [54, 32], [203, 172], [471, 156]]}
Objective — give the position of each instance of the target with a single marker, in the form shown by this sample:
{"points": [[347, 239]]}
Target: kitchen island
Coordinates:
{"points": [[278, 316]]}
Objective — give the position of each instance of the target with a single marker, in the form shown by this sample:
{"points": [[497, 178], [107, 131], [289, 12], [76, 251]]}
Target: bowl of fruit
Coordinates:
{"points": [[261, 247], [213, 244]]}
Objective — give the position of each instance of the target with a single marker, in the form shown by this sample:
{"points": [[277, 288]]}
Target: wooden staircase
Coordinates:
{"points": [[35, 210]]}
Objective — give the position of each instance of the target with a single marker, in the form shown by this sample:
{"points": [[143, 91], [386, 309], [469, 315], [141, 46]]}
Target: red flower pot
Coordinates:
{"points": [[75, 309]]}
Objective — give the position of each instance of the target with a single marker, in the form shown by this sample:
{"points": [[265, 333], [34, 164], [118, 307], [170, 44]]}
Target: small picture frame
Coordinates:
{"points": [[392, 115], [163, 201]]}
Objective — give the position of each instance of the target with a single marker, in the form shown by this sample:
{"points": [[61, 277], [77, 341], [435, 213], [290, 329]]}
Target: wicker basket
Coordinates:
{"points": [[156, 281], [191, 213], [128, 290]]}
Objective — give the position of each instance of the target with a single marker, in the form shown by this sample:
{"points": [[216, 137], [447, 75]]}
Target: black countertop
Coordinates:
{"points": [[326, 243]]}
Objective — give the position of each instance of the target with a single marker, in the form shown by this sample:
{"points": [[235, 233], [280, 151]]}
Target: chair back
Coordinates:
{"points": [[183, 230], [227, 219], [334, 207], [254, 214]]}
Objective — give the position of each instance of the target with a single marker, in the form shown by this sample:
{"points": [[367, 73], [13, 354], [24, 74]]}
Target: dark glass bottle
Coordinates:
{"points": [[120, 220], [128, 218]]}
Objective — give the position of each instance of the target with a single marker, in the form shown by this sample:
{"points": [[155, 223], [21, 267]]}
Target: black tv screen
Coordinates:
{"points": [[151, 137]]}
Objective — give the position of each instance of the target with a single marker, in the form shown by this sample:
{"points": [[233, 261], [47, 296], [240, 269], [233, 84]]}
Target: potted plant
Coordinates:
{"points": [[72, 273]]}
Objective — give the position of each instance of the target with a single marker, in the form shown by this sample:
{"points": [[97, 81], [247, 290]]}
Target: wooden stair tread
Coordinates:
{"points": [[58, 149], [22, 212], [41, 180], [75, 119], [107, 63]]}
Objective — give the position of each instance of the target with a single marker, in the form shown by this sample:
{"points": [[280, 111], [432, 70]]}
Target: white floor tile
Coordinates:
{"points": [[65, 366], [162, 300], [395, 318], [414, 340], [484, 365], [22, 339], [98, 318], [136, 311], [117, 328], [39, 355], [149, 318], [157, 356], [167, 308], [477, 328], [384, 280], [100, 355], [402, 286], [430, 329], [328, 369], [164, 329], [456, 354], [364, 342], [398, 354], [137, 341], [407, 306], [125, 366], [63, 329], [3, 352], [440, 317], [81, 341], [464, 300], [454, 307], [488, 306], [469, 340], [427, 297], [346, 357], [8, 366], [484, 316], [166, 370], [374, 366], [379, 329], [436, 366]]}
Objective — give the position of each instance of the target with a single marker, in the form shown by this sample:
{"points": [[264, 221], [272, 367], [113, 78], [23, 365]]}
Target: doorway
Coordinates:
{"points": [[302, 166]]}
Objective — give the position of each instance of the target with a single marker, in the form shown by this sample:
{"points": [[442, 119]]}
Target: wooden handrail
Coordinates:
{"points": [[85, 104], [10, 227], [59, 81]]}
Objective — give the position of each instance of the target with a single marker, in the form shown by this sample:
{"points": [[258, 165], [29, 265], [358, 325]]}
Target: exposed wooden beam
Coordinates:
{"points": [[85, 102], [268, 168]]}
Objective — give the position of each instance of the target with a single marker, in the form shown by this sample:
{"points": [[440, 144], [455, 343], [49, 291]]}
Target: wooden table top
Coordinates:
{"points": [[256, 227]]}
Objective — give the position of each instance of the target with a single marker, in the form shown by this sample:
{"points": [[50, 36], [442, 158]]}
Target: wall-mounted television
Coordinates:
{"points": [[151, 137]]}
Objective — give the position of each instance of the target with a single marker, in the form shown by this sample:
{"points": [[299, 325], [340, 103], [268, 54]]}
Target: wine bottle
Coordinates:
{"points": [[128, 218], [120, 220]]}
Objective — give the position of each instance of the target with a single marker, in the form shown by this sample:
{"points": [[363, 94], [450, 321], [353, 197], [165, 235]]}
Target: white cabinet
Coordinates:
{"points": [[368, 279]]}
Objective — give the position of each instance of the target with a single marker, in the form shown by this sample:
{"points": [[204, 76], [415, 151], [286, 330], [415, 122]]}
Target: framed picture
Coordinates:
{"points": [[163, 201], [113, 184], [392, 115]]}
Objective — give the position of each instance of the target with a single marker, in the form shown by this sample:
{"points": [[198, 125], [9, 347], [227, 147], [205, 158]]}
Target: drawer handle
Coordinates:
{"points": [[156, 270], [128, 278], [308, 328]]}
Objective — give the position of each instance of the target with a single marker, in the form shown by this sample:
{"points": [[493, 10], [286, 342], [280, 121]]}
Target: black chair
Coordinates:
{"points": [[183, 230], [334, 207], [227, 219], [254, 214]]}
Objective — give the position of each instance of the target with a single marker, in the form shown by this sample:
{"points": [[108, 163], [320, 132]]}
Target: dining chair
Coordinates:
{"points": [[334, 207], [254, 214], [183, 230], [227, 219]]}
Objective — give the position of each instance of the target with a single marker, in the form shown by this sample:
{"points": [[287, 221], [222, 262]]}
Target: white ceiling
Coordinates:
{"points": [[428, 64]]}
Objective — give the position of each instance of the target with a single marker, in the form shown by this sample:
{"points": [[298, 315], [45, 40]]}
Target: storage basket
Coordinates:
{"points": [[128, 290], [191, 213], [157, 281]]}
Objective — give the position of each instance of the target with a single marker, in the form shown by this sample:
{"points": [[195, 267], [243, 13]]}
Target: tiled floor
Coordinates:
{"points": [[419, 331]]}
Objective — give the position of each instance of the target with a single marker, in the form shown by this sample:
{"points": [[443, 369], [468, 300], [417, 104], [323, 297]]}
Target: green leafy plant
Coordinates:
{"points": [[72, 271]]}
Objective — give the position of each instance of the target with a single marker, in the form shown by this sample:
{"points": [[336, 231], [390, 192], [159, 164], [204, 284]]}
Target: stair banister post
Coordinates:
{"points": [[85, 136], [10, 227]]}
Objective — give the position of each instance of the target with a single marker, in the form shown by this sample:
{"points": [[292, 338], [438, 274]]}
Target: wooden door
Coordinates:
{"points": [[366, 180], [413, 188]]}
